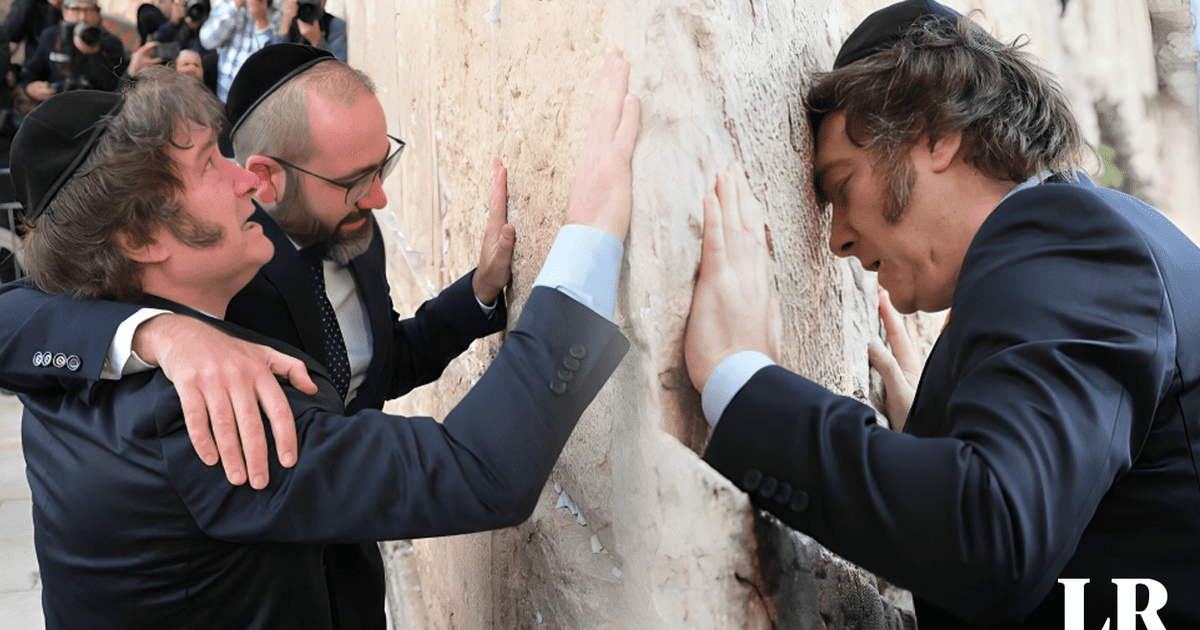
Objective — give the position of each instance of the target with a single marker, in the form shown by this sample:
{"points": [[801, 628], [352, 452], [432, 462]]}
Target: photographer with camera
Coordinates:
{"points": [[237, 29], [306, 22], [76, 54], [181, 31]]}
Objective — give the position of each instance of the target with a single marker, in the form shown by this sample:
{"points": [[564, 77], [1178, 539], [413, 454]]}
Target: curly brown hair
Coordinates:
{"points": [[940, 78], [129, 184]]}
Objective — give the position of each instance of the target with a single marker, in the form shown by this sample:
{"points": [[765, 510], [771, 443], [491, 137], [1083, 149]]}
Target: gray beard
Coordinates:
{"points": [[342, 252]]}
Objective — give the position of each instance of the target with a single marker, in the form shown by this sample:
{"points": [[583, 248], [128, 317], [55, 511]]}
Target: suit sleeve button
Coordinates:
{"points": [[799, 502], [784, 493], [565, 375], [578, 351], [767, 489], [37, 359], [73, 363], [60, 360], [752, 480], [571, 363], [557, 386]]}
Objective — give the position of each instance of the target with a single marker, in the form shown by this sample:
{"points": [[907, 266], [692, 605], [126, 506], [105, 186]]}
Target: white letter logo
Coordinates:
{"points": [[1127, 612]]}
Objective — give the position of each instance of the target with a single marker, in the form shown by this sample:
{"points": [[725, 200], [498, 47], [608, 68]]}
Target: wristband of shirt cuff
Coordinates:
{"points": [[117, 363], [727, 380], [488, 310], [585, 264]]}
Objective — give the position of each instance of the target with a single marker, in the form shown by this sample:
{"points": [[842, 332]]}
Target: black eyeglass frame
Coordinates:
{"points": [[366, 181]]}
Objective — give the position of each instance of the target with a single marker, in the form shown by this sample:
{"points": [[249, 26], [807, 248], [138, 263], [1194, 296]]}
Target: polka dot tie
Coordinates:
{"points": [[336, 360]]}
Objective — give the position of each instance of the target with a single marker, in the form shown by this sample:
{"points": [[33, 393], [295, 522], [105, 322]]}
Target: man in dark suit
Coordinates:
{"points": [[1055, 434], [134, 530]]}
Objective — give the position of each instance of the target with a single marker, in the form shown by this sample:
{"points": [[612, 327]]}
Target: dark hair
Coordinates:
{"points": [[942, 78], [130, 185]]}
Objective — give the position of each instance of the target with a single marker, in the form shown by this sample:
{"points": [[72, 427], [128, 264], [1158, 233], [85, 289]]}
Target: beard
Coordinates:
{"points": [[295, 215], [346, 246]]}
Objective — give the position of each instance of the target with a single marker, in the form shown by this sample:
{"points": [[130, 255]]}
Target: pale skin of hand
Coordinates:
{"points": [[40, 90], [900, 367], [309, 31], [602, 195], [734, 306], [225, 380], [499, 238], [143, 58], [290, 9]]}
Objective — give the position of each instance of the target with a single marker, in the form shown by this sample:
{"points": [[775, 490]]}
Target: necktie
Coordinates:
{"points": [[336, 360]]}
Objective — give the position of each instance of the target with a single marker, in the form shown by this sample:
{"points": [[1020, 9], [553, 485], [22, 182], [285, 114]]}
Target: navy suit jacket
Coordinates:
{"points": [[133, 530], [279, 303], [1055, 431]]}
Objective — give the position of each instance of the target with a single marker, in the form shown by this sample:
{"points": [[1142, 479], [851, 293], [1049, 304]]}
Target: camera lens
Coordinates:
{"points": [[308, 11], [90, 35], [197, 10]]}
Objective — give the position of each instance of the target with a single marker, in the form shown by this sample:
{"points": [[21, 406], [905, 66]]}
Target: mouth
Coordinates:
{"points": [[354, 225], [354, 222]]}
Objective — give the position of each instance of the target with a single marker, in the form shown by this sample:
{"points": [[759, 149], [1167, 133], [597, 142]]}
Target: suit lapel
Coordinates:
{"points": [[370, 274]]}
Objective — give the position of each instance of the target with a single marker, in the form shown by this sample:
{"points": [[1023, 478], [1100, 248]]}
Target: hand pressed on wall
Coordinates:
{"points": [[900, 366], [734, 306], [602, 195], [495, 261]]}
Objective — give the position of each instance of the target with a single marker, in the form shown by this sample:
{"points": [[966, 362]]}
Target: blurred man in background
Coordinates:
{"points": [[77, 53]]}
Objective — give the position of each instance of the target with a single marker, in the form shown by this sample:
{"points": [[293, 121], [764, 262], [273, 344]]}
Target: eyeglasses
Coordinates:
{"points": [[361, 187], [87, 9]]}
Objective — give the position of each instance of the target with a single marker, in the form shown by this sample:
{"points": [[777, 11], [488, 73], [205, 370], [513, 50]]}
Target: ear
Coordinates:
{"points": [[147, 253], [271, 179], [943, 152]]}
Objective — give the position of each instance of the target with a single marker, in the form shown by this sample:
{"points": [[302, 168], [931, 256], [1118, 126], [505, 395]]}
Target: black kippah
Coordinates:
{"points": [[884, 27], [263, 73], [54, 140]]}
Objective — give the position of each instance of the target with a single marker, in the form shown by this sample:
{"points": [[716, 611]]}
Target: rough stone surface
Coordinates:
{"points": [[656, 538]]}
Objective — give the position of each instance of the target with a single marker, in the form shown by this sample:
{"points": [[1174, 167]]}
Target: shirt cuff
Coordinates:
{"points": [[585, 264], [121, 359], [727, 380], [487, 310]]}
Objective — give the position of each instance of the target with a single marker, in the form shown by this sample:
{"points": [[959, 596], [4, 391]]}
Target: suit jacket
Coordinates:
{"points": [[279, 303], [133, 530], [1055, 431]]}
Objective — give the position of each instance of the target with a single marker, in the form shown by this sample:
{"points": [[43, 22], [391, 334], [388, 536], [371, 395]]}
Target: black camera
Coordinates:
{"points": [[87, 33], [166, 51], [308, 11], [197, 10]]}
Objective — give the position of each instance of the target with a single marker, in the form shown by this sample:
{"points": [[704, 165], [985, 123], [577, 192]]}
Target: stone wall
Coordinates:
{"points": [[634, 530]]}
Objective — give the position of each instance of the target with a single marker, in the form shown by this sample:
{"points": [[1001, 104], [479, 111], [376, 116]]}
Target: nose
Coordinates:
{"points": [[841, 236], [244, 182], [375, 199]]}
